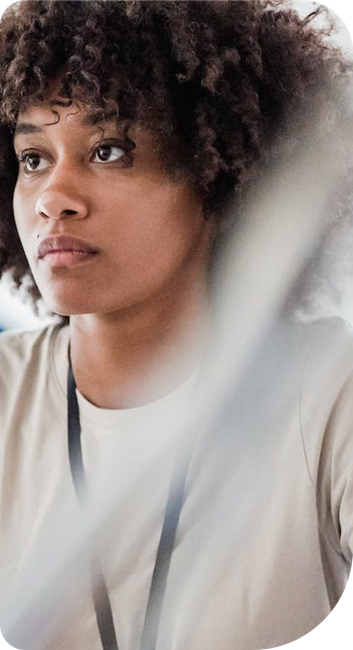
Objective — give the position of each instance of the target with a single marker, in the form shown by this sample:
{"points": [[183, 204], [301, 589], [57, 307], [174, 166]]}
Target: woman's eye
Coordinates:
{"points": [[33, 162], [107, 153]]}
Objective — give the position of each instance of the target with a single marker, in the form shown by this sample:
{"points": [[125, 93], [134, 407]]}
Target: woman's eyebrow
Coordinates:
{"points": [[27, 128], [99, 116]]}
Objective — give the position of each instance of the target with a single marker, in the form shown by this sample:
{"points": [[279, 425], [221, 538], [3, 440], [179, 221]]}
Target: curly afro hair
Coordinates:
{"points": [[217, 82]]}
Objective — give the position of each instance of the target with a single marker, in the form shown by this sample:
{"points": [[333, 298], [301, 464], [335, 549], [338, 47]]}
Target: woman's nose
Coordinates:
{"points": [[58, 204]]}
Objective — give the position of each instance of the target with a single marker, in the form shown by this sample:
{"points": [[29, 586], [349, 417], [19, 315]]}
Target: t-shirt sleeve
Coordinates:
{"points": [[335, 476], [327, 430]]}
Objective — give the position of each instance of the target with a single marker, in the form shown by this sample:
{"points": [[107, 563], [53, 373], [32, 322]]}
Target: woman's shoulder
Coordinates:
{"points": [[321, 353], [21, 341], [329, 344], [21, 350]]}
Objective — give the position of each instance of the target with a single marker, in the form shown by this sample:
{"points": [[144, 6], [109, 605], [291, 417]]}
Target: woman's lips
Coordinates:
{"points": [[65, 251], [66, 258]]}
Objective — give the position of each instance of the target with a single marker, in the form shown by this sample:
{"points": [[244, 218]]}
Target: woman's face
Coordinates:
{"points": [[103, 224]]}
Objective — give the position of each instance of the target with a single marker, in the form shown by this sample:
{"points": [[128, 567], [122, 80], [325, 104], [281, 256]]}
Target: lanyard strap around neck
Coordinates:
{"points": [[100, 594]]}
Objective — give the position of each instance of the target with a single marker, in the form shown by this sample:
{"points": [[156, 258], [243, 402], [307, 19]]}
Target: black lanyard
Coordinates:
{"points": [[175, 501]]}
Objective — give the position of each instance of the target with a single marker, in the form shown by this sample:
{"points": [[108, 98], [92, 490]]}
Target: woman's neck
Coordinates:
{"points": [[126, 359]]}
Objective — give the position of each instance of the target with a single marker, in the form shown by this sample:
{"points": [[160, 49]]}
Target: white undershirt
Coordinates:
{"points": [[122, 439]]}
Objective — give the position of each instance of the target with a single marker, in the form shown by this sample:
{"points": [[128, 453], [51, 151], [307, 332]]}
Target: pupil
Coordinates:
{"points": [[104, 153], [32, 162]]}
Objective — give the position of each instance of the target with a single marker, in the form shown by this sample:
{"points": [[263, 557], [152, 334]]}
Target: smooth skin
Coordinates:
{"points": [[139, 308]]}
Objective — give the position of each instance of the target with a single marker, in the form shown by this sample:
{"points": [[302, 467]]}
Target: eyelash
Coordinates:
{"points": [[125, 161]]}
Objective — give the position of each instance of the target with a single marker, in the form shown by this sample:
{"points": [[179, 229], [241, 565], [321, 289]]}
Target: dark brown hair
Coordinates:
{"points": [[216, 81]]}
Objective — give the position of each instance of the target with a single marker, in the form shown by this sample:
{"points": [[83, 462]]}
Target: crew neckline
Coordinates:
{"points": [[163, 407], [173, 402]]}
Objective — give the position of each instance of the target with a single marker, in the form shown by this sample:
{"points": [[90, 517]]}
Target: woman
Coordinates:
{"points": [[127, 130]]}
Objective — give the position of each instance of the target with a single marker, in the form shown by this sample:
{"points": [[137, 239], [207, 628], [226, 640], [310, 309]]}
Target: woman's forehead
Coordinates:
{"points": [[56, 108], [54, 120]]}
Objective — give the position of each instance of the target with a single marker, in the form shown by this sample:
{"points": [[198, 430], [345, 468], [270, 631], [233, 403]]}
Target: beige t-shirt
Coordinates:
{"points": [[265, 538]]}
